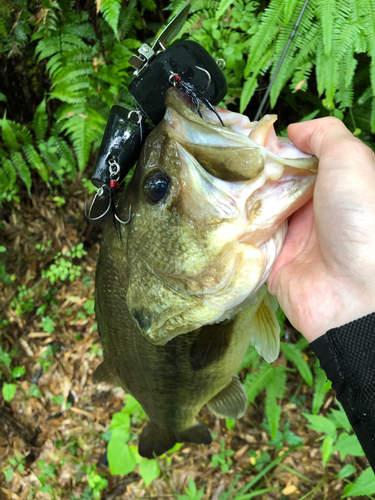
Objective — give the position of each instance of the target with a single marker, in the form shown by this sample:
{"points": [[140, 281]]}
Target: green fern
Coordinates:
{"points": [[319, 388], [294, 353], [22, 168], [9, 137], [111, 11], [40, 121], [255, 382], [276, 387]]}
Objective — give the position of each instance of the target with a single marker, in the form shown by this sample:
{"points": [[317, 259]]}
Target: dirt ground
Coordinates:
{"points": [[63, 423]]}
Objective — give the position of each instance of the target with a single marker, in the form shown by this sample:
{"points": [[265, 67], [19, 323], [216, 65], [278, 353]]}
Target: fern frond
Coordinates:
{"points": [[22, 168], [290, 7], [287, 68], [327, 13], [40, 121], [74, 72], [52, 162], [255, 382], [265, 34], [252, 358], [368, 20], [294, 354], [9, 137], [275, 389], [9, 170], [35, 161], [251, 83], [223, 7], [83, 129], [64, 151], [126, 18], [319, 384], [111, 11], [148, 5]]}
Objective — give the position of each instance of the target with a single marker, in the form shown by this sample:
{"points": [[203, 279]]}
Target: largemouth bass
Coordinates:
{"points": [[181, 293]]}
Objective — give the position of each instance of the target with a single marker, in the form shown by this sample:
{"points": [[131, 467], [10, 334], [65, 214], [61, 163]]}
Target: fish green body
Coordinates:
{"points": [[180, 295]]}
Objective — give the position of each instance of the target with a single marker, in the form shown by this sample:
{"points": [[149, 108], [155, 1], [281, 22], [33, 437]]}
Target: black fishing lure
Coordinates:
{"points": [[194, 94]]}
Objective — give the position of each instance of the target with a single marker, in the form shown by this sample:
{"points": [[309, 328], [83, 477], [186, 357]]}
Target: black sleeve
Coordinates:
{"points": [[347, 355]]}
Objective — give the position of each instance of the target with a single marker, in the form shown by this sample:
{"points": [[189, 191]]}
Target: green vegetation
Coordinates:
{"points": [[62, 68]]}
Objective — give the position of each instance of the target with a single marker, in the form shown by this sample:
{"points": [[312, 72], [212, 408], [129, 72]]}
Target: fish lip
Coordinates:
{"points": [[181, 103]]}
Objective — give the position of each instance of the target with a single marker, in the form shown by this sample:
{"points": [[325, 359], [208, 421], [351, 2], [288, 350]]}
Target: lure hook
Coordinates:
{"points": [[129, 218], [208, 74], [99, 194]]}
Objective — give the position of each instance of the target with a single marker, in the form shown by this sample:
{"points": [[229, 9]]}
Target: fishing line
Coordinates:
{"points": [[292, 35]]}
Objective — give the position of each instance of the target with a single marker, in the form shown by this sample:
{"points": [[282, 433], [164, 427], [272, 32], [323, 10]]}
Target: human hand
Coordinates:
{"points": [[325, 274]]}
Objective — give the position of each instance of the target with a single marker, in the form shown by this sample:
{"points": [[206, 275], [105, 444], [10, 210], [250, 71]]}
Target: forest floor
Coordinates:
{"points": [[51, 432]]}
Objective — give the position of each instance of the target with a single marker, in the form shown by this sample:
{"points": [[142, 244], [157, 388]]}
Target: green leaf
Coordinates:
{"points": [[5, 358], [120, 426], [255, 382], [111, 12], [223, 6], [346, 471], [319, 392], [327, 447], [48, 324], [40, 121], [8, 134], [18, 371], [22, 168], [340, 419], [295, 355], [364, 485], [35, 161], [275, 389], [34, 392], [348, 445], [8, 474], [120, 457], [321, 424], [149, 470], [9, 391]]}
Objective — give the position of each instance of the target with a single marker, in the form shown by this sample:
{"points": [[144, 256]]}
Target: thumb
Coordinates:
{"points": [[317, 136]]}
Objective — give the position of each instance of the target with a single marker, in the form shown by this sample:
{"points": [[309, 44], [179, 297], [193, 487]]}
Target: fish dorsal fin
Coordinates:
{"points": [[231, 402], [211, 344], [266, 330], [101, 375]]}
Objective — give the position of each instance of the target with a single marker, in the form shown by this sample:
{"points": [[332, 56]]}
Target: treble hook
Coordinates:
{"points": [[208, 74], [99, 194], [130, 216]]}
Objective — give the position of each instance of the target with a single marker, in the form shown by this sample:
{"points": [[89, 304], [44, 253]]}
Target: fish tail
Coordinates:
{"points": [[156, 441]]}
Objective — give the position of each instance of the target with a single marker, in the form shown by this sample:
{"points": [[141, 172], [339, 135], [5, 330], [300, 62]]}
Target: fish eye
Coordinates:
{"points": [[157, 186]]}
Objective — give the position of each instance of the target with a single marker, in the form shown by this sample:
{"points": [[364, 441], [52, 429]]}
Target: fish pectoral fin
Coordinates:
{"points": [[156, 441], [266, 329], [101, 374], [231, 402]]}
